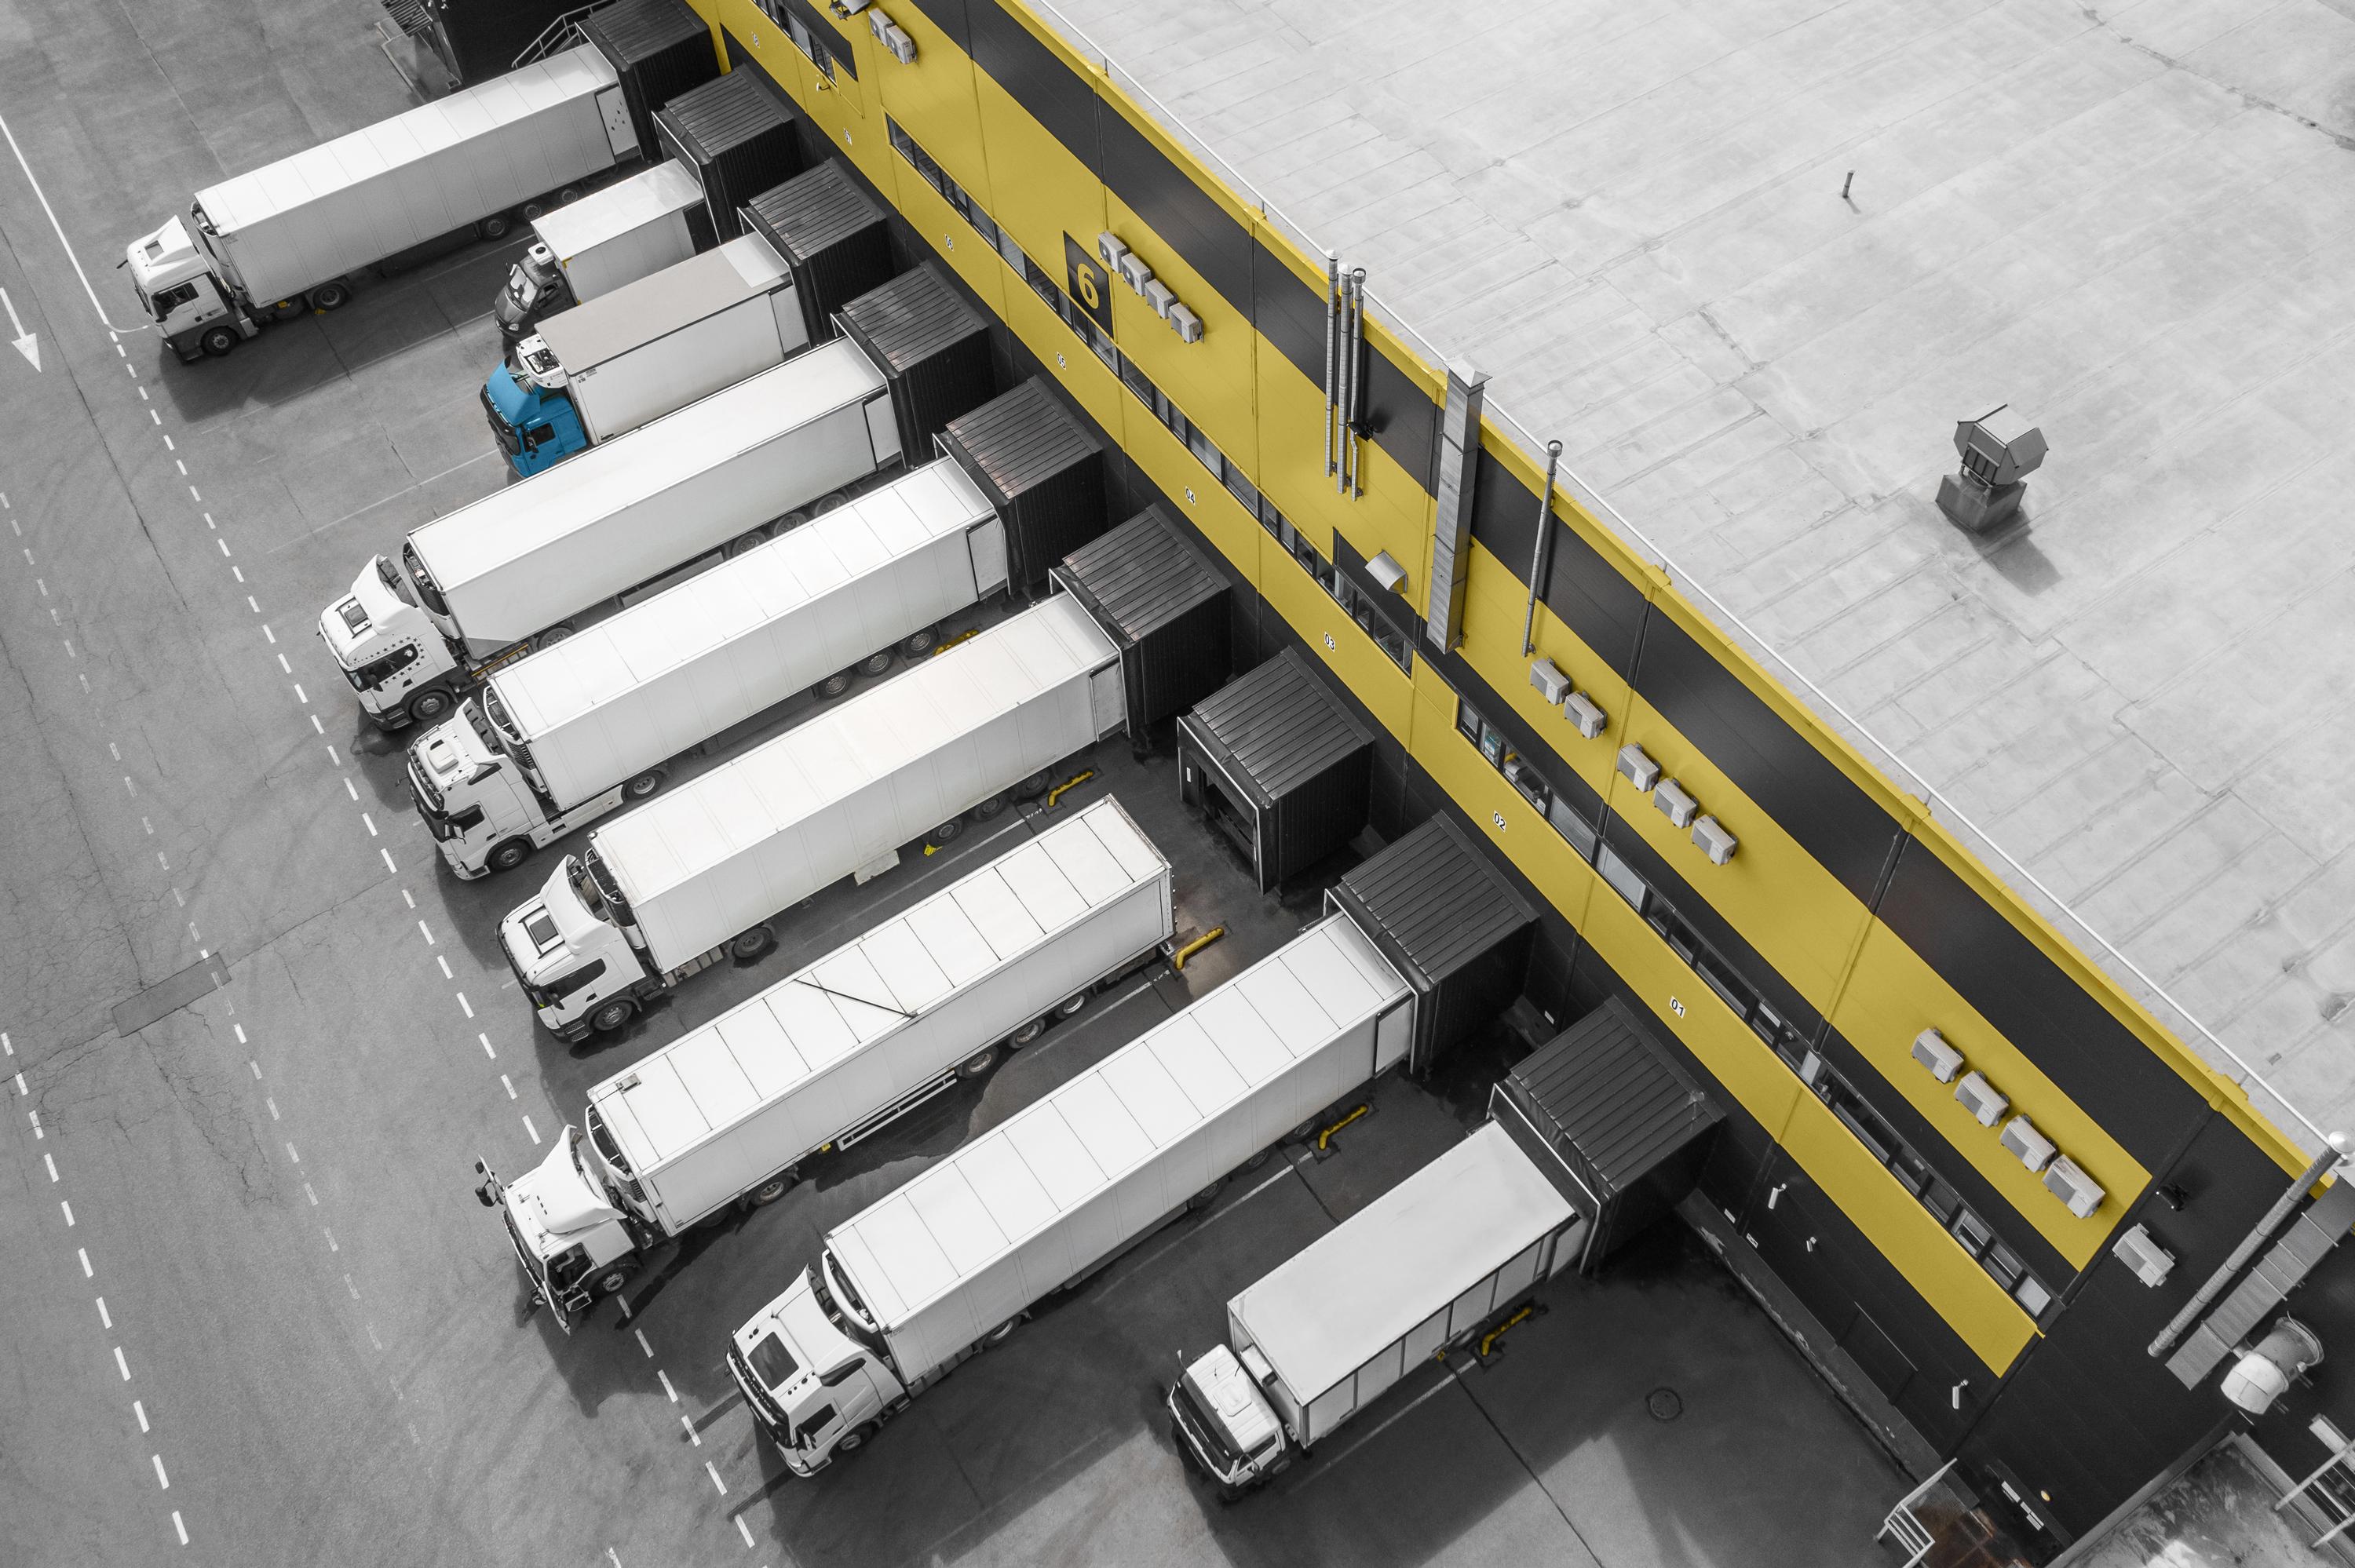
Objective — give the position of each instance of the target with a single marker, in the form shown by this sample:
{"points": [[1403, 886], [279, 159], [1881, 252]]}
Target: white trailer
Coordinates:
{"points": [[561, 738], [645, 350], [628, 231], [670, 888], [1419, 1271], [268, 245], [539, 560], [731, 1112], [949, 1264]]}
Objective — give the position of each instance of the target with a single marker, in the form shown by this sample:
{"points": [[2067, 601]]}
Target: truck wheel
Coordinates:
{"points": [[611, 1282], [218, 340], [1031, 788], [1026, 1033], [947, 831], [1203, 1199], [508, 853], [495, 226], [535, 209], [612, 1015], [877, 664], [427, 705], [921, 644], [1070, 1006], [746, 946], [856, 1438], [554, 634], [833, 686], [644, 785], [1000, 1335], [331, 296], [770, 1191], [828, 501], [992, 807], [287, 309], [745, 543], [980, 1061], [568, 195]]}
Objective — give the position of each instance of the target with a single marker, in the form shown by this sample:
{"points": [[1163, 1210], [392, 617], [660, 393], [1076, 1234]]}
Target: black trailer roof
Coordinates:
{"points": [[1280, 725], [1143, 575], [1607, 1097], [817, 208], [1436, 898], [633, 31], [724, 113], [910, 318], [1021, 438]]}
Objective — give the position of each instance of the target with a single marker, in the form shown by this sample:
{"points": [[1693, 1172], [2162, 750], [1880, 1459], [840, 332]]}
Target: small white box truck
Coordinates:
{"points": [[670, 888], [559, 738], [949, 1264], [729, 1113], [628, 231], [1420, 1270], [646, 349], [287, 238], [536, 561]]}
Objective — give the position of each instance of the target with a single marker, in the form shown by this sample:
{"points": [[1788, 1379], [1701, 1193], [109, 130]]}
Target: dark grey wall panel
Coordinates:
{"points": [[1176, 208], [1034, 78], [1606, 610]]}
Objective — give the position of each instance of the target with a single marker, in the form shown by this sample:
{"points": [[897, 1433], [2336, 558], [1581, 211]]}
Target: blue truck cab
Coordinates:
{"points": [[531, 411]]}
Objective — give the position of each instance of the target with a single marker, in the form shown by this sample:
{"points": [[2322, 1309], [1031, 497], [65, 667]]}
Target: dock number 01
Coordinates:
{"points": [[1676, 1007]]}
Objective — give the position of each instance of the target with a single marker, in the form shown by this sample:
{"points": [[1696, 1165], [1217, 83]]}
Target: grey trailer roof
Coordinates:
{"points": [[635, 30], [910, 318], [1279, 725], [653, 306], [816, 208], [1144, 573], [724, 113], [1020, 438], [1605, 1092], [1438, 898]]}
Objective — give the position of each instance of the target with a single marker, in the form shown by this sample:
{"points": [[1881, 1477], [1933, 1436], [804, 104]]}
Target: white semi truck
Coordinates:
{"points": [[646, 349], [287, 238], [536, 561], [672, 887], [558, 740], [729, 1113], [628, 231], [1420, 1270], [951, 1263]]}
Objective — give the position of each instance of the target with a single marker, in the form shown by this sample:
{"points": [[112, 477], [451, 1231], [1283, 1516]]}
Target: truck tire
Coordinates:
{"points": [[1070, 1006], [644, 785], [612, 1015], [1204, 1198], [992, 807], [507, 855], [495, 226], [553, 635], [921, 644], [980, 1061], [746, 946], [833, 686], [616, 1275], [877, 664], [828, 501], [1031, 788], [427, 705], [1026, 1034], [332, 296], [856, 1438], [774, 1188], [1000, 1335], [568, 195], [946, 832], [747, 542], [218, 340]]}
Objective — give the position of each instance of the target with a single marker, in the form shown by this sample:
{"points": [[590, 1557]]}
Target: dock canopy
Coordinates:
{"points": [[1042, 469], [832, 234], [1276, 762], [659, 48], [1158, 596], [736, 133]]}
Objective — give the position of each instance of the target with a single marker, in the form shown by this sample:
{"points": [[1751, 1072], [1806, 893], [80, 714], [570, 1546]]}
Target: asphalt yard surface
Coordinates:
{"points": [[254, 1037]]}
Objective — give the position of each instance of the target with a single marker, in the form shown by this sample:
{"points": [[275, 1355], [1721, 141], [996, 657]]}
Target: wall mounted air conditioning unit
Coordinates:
{"points": [[2136, 1249], [1110, 250], [1929, 1049], [1675, 804], [1583, 714], [1640, 771], [2029, 1147], [1981, 1098], [1134, 271], [1185, 323], [1713, 841], [2065, 1182], [1550, 683], [1160, 296]]}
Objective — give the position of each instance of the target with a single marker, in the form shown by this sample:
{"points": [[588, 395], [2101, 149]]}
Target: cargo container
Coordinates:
{"points": [[611, 237], [695, 875], [731, 1112], [951, 1262], [646, 349], [539, 560], [288, 237]]}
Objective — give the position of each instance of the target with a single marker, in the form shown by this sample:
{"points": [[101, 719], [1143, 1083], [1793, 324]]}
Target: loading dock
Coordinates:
{"points": [[1159, 598], [1277, 764], [1044, 473], [737, 136], [832, 234]]}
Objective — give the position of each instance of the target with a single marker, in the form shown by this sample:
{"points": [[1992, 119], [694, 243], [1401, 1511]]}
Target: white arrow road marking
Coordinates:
{"points": [[27, 344]]}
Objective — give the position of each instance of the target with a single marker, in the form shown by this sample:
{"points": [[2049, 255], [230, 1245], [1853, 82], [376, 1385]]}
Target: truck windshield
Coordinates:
{"points": [[392, 578]]}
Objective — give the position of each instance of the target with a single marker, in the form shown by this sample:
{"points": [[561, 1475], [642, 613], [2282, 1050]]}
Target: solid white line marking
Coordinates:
{"points": [[52, 1164], [510, 1087], [692, 1435], [61, 230], [102, 1315], [470, 1012], [178, 1526], [665, 1382], [486, 1039], [121, 1365], [371, 823], [745, 1530], [140, 1410], [535, 1139], [445, 966], [161, 1480], [69, 1208], [649, 1350], [396, 871], [713, 1471], [84, 1253], [614, 1555], [422, 929]]}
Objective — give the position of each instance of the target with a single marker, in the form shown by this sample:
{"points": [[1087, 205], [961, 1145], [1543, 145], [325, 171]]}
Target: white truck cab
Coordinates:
{"points": [[177, 285], [565, 1217], [472, 791], [812, 1369], [1218, 1412], [569, 949], [389, 647]]}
